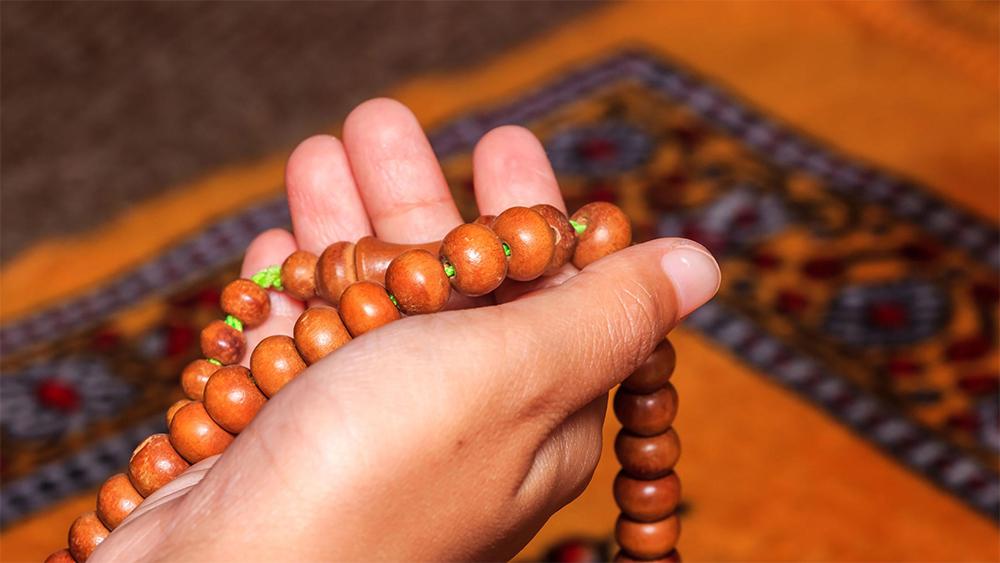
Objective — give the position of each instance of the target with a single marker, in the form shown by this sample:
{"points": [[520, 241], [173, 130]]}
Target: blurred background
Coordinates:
{"points": [[839, 398]]}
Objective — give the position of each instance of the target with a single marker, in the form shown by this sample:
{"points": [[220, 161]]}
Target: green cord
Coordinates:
{"points": [[393, 299], [269, 277], [506, 249], [213, 361], [449, 270], [234, 322], [578, 227]]}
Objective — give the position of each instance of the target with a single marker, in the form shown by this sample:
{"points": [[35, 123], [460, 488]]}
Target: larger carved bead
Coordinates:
{"points": [[418, 282], [365, 306], [232, 399], [318, 332], [335, 270], [275, 362], [476, 254]]}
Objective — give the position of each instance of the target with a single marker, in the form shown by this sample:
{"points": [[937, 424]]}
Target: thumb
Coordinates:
{"points": [[576, 341]]}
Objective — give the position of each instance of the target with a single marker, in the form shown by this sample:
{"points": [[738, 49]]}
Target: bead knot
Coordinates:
{"points": [[268, 277]]}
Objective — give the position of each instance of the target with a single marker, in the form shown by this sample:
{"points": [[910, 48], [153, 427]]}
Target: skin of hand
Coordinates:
{"points": [[447, 436]]}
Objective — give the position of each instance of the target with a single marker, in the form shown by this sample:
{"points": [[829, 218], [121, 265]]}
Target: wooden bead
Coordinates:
{"points": [[275, 362], [564, 236], [174, 408], [477, 255], [672, 557], [195, 435], [85, 534], [195, 376], [318, 332], [298, 275], [335, 271], [655, 372], [232, 399], [366, 306], [647, 540], [116, 499], [222, 342], [608, 230], [530, 240], [373, 256], [246, 301], [646, 414], [647, 500], [647, 457], [486, 220], [61, 556], [417, 280], [154, 464]]}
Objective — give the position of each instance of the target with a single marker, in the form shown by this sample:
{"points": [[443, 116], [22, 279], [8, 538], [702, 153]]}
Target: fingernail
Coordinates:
{"points": [[695, 276]]}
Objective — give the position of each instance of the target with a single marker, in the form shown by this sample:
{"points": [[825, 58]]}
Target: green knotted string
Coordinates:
{"points": [[578, 227], [269, 277], [213, 361], [234, 322]]}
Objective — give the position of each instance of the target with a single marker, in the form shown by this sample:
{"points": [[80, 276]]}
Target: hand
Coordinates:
{"points": [[448, 436]]}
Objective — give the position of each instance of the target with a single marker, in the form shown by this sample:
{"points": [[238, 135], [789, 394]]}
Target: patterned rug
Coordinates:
{"points": [[859, 290]]}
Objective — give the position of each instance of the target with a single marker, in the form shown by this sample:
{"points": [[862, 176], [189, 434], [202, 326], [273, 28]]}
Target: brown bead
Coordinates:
{"points": [[174, 408], [564, 236], [318, 332], [275, 362], [530, 240], [647, 457], [298, 275], [85, 534], [222, 342], [608, 230], [232, 399], [366, 306], [486, 220], [647, 500], [373, 256], [417, 280], [195, 435], [335, 271], [647, 540], [246, 301], [672, 557], [61, 556], [649, 414], [477, 255], [154, 464], [655, 372], [195, 376], [116, 499]]}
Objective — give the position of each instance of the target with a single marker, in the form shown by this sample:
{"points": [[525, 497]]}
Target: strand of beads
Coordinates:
{"points": [[366, 285], [647, 489]]}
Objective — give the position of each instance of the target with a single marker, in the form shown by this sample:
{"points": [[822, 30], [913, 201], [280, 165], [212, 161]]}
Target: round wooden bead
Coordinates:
{"points": [[318, 332], [366, 306], [116, 499], [275, 362], [246, 301], [222, 342], [485, 220], [649, 457], [232, 399], [646, 414], [655, 372], [530, 240], [564, 236], [61, 556], [154, 464], [417, 280], [477, 255], [85, 534], [174, 408], [647, 540], [298, 275], [647, 500], [195, 376], [335, 271], [195, 435], [608, 230], [672, 557]]}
